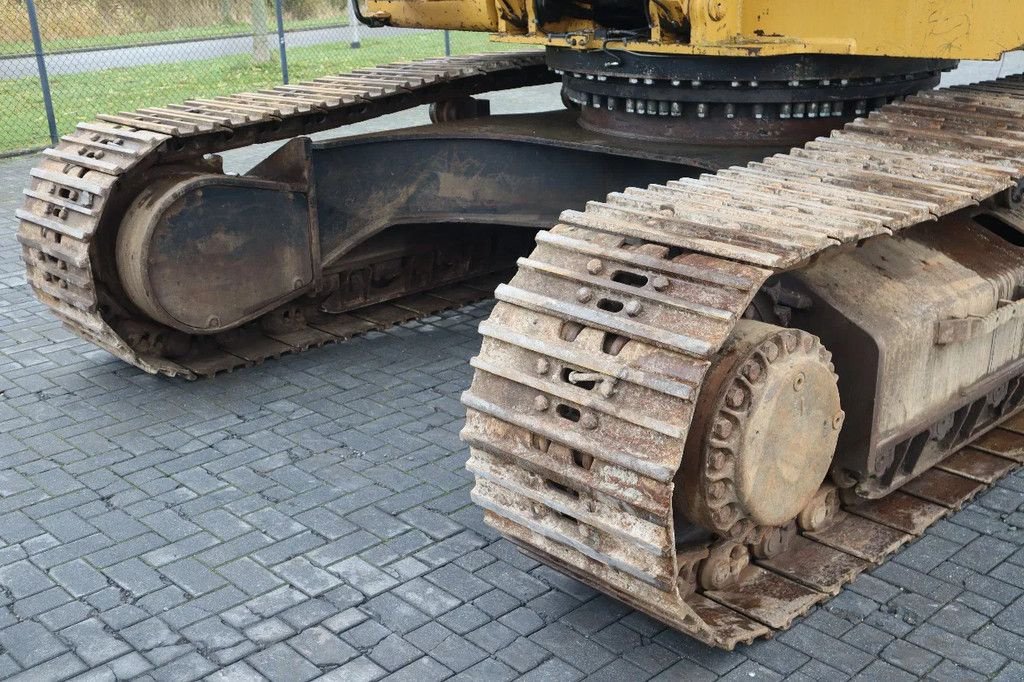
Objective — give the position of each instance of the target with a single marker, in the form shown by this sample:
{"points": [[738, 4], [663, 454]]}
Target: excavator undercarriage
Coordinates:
{"points": [[788, 339]]}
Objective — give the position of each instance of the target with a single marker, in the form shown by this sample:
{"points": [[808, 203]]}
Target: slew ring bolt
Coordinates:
{"points": [[594, 266], [584, 294], [541, 403]]}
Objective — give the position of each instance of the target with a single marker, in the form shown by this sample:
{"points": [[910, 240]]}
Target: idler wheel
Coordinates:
{"points": [[764, 432]]}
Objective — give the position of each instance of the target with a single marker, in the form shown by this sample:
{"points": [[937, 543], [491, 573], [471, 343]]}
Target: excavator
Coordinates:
{"points": [[760, 285]]}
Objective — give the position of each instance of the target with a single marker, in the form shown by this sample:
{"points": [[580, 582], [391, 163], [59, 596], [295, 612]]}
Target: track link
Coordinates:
{"points": [[594, 356], [78, 193]]}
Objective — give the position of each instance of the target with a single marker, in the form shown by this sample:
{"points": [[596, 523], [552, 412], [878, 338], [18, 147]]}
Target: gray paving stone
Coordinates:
{"points": [[306, 577], [553, 670], [463, 619], [30, 644], [22, 579], [268, 631], [322, 648], [363, 576], [393, 653], [192, 576], [188, 667], [572, 647], [92, 643], [281, 662], [427, 597], [236, 672], [78, 577], [957, 649], [361, 669], [826, 648]]}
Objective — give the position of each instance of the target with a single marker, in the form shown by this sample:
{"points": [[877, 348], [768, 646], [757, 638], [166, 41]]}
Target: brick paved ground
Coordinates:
{"points": [[312, 517]]}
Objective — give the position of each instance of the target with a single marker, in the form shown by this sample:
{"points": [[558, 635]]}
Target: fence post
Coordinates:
{"points": [[44, 81], [280, 41], [447, 44], [353, 24]]}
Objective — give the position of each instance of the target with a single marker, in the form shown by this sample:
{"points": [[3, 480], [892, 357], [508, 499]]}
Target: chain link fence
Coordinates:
{"points": [[64, 61]]}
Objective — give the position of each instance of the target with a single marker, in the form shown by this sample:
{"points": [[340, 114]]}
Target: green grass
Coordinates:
{"points": [[80, 97], [12, 48]]}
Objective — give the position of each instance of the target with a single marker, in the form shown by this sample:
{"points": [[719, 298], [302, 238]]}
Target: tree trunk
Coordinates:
{"points": [[260, 48]]}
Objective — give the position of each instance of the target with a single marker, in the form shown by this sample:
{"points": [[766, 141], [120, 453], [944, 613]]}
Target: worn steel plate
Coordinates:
{"points": [[942, 487], [861, 537], [978, 465], [1003, 443], [816, 565], [767, 597], [901, 511]]}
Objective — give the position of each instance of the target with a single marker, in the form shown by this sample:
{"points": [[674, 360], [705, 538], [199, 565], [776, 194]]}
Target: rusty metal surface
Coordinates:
{"points": [[598, 348], [79, 192], [641, 292], [763, 378]]}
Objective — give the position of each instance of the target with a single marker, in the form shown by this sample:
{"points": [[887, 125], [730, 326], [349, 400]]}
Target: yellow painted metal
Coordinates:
{"points": [[953, 29], [457, 15]]}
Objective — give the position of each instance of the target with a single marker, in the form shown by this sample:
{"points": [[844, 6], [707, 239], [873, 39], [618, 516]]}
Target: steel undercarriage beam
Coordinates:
{"points": [[204, 252]]}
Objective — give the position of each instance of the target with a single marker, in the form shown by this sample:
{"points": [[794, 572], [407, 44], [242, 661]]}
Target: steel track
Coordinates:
{"points": [[589, 488], [582, 474], [79, 191]]}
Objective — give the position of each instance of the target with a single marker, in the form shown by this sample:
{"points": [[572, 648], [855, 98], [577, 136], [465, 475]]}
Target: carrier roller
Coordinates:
{"points": [[720, 399]]}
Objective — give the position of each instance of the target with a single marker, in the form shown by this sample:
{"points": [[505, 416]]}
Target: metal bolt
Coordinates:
{"points": [[723, 428], [717, 490], [752, 371], [734, 397], [584, 294], [588, 421], [213, 321], [716, 10], [542, 366], [594, 266], [660, 283], [541, 403], [798, 382], [633, 308]]}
